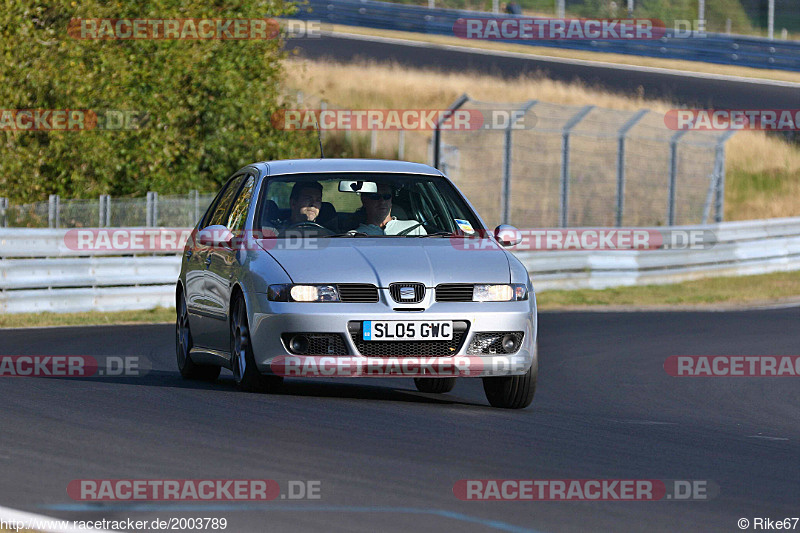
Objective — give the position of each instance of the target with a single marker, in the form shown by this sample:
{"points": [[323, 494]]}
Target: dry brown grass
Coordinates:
{"points": [[378, 85], [763, 172]]}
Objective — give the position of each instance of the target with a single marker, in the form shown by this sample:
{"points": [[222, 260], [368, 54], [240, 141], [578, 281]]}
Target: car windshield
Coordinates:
{"points": [[363, 205]]}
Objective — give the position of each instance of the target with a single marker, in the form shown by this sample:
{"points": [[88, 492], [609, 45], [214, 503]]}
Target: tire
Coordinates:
{"points": [[437, 385], [512, 392], [243, 362], [183, 345]]}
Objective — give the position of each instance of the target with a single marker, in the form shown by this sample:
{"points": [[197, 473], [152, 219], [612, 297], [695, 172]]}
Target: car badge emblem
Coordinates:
{"points": [[407, 293]]}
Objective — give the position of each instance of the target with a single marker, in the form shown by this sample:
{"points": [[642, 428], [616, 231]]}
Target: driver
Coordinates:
{"points": [[305, 201], [378, 215]]}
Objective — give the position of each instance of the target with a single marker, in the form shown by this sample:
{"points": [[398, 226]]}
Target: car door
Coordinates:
{"points": [[222, 261], [207, 310], [196, 255]]}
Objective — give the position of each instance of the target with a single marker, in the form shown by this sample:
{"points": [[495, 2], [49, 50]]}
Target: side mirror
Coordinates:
{"points": [[507, 235], [215, 236]]}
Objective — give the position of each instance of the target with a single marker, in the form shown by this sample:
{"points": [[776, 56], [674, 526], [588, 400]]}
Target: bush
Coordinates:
{"points": [[207, 103]]}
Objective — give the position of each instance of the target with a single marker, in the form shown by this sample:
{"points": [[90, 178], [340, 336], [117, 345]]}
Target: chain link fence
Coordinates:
{"points": [[554, 166], [567, 166], [181, 211]]}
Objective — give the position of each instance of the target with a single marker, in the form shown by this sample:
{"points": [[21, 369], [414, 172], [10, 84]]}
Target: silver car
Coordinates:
{"points": [[344, 267]]}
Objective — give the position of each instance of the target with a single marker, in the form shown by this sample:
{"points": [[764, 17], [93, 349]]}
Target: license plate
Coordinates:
{"points": [[401, 330]]}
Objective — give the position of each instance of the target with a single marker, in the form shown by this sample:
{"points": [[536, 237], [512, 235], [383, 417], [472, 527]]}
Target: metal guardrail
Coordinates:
{"points": [[39, 272], [740, 248], [711, 48], [43, 275], [79, 300]]}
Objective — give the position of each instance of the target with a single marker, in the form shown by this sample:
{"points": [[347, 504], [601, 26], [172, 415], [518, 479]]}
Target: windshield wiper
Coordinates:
{"points": [[351, 234], [436, 234]]}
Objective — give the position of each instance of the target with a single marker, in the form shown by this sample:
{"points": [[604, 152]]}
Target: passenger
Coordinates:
{"points": [[378, 215]]}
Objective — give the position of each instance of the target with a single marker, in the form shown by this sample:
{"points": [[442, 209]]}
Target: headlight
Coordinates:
{"points": [[499, 293], [303, 293]]}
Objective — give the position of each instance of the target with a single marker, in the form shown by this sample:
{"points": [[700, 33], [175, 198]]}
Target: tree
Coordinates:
{"points": [[203, 106]]}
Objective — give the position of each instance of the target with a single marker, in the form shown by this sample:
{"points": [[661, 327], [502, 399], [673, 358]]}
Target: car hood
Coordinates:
{"points": [[382, 261]]}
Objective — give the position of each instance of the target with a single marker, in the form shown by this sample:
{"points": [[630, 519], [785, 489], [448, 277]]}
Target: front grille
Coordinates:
{"points": [[318, 344], [357, 292], [454, 292], [491, 342], [415, 290], [409, 348]]}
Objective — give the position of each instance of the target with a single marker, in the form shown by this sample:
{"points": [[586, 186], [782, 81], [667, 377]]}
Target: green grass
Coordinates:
{"points": [[23, 320], [741, 290]]}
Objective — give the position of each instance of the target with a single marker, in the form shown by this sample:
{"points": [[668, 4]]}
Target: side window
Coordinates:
{"points": [[210, 211], [225, 202], [238, 214]]}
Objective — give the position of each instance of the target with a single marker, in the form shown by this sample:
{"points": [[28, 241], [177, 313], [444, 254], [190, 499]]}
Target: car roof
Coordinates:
{"points": [[307, 166]]}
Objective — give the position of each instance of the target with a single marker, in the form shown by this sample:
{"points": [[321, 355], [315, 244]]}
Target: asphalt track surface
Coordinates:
{"points": [[387, 456], [678, 88]]}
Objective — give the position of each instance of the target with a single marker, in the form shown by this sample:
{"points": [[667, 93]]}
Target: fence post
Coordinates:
{"points": [[53, 211], [437, 132], [196, 194], [621, 134], [719, 204], [505, 198], [152, 210], [104, 211], [148, 215], [673, 174], [155, 209], [3, 212], [571, 123], [401, 144]]}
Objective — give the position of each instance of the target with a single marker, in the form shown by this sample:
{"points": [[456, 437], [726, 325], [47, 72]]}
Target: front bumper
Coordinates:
{"points": [[270, 320]]}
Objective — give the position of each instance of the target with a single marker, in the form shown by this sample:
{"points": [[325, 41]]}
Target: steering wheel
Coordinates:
{"points": [[305, 224], [309, 224], [412, 228]]}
